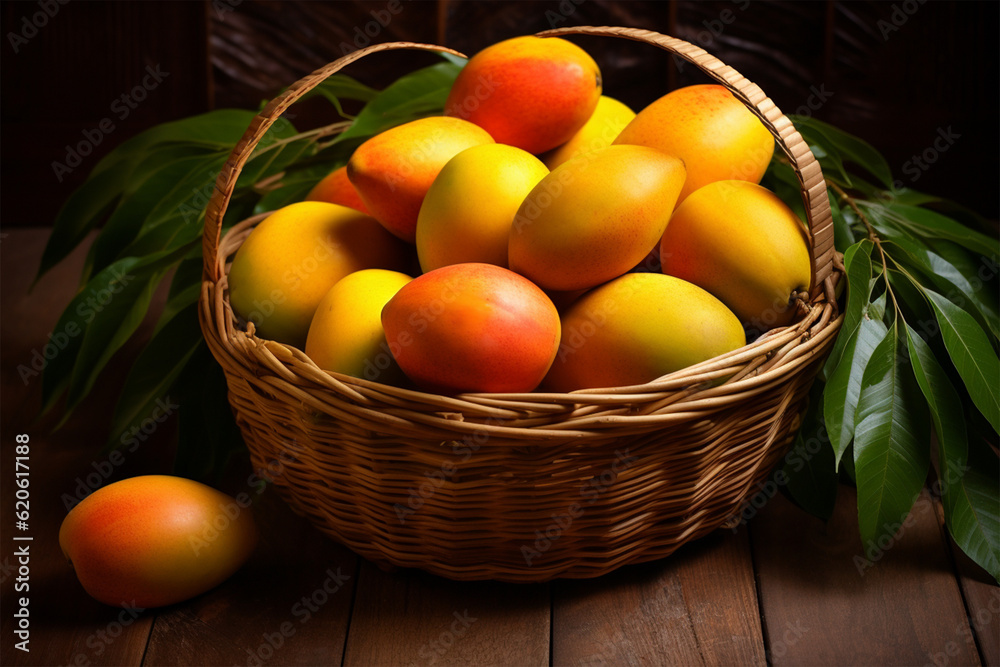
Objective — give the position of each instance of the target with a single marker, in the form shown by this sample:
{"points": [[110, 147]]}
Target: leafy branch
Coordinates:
{"points": [[918, 346]]}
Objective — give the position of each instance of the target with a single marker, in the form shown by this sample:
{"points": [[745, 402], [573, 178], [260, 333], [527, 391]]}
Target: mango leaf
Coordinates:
{"points": [[980, 276], [973, 356], [154, 372], [78, 316], [912, 197], [294, 187], [843, 390], [342, 87], [113, 324], [172, 182], [810, 465], [858, 263], [845, 147], [207, 433], [943, 274], [891, 442], [82, 212], [908, 292], [417, 95], [843, 235], [929, 224], [970, 498]]}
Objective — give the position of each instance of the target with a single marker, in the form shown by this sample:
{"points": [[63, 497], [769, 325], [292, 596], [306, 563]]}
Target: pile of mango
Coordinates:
{"points": [[537, 235]]}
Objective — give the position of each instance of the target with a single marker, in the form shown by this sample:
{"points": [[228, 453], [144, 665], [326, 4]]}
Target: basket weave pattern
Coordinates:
{"points": [[522, 487]]}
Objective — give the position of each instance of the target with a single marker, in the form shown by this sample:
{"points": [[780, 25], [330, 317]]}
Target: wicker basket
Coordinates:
{"points": [[525, 487]]}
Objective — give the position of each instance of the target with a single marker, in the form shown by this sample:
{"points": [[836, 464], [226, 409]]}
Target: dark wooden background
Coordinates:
{"points": [[895, 73]]}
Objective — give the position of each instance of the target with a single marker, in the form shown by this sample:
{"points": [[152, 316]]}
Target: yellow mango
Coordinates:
{"points": [[594, 217], [468, 210], [637, 328], [292, 259], [609, 119], [740, 242], [346, 334], [714, 133]]}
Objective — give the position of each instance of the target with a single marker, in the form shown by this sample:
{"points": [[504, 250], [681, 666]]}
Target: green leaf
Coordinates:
{"points": [[810, 465], [928, 224], [970, 498], [891, 455], [342, 87], [84, 210], [207, 434], [858, 264], [840, 400], [154, 372], [843, 235], [972, 354], [912, 197], [961, 286], [113, 324], [417, 95], [75, 320], [294, 188], [175, 184], [845, 146]]}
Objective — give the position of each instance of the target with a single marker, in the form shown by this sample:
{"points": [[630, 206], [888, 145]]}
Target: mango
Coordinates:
{"points": [[595, 217], [529, 92], [155, 540], [346, 333], [468, 210], [393, 170], [295, 255], [637, 328], [336, 188], [607, 122], [472, 328], [742, 243], [714, 133]]}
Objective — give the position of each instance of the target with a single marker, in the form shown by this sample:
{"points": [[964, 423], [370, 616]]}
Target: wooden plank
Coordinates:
{"points": [[696, 607], [413, 618], [982, 602], [67, 626], [824, 603], [289, 605]]}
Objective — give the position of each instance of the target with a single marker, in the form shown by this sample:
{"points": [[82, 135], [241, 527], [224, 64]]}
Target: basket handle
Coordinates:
{"points": [[807, 169], [225, 184]]}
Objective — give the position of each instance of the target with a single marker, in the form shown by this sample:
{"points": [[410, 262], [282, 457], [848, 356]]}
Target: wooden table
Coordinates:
{"points": [[785, 589]]}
